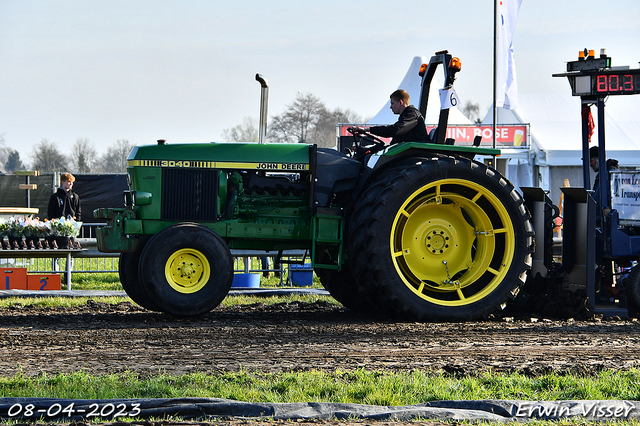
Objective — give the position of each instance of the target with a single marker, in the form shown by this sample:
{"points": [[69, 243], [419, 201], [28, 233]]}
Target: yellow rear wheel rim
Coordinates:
{"points": [[187, 271], [452, 242]]}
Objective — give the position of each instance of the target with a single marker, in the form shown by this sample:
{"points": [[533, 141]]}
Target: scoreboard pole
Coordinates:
{"points": [[604, 189]]}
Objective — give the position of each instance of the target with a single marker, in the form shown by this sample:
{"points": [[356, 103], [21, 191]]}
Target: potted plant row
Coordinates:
{"points": [[27, 233]]}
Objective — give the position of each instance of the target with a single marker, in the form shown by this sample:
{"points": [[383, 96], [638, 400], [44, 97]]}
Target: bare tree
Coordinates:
{"points": [[246, 132], [325, 129], [307, 120], [280, 130], [4, 151], [472, 112], [115, 160], [347, 116], [46, 157], [298, 121], [83, 155]]}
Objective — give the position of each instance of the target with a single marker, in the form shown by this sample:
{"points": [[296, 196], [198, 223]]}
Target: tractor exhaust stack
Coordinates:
{"points": [[264, 98]]}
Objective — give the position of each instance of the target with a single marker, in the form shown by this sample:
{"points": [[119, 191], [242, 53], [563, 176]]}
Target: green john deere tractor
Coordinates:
{"points": [[412, 230]]}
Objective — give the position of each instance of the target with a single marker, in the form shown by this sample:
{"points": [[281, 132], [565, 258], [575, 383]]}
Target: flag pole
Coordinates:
{"points": [[495, 71]]}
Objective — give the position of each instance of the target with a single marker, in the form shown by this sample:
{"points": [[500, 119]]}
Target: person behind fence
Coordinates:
{"points": [[64, 202], [266, 267], [410, 126]]}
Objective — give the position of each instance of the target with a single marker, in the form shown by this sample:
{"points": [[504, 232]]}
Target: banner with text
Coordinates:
{"points": [[625, 196], [507, 135]]}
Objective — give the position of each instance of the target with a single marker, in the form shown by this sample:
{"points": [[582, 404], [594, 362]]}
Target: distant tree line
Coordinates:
{"points": [[46, 157], [308, 120], [305, 120]]}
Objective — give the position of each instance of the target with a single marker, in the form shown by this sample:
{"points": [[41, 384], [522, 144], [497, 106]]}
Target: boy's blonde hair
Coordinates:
{"points": [[67, 177]]}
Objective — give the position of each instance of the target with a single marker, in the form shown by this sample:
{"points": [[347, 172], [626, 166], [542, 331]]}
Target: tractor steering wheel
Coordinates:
{"points": [[357, 131], [365, 142]]}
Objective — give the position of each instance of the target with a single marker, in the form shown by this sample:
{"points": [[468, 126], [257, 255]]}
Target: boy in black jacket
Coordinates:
{"points": [[65, 202]]}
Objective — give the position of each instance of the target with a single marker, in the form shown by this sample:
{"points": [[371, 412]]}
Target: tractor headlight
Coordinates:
{"points": [[141, 198], [136, 198]]}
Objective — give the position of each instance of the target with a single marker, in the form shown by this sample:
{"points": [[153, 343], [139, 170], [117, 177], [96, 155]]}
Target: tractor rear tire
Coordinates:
{"points": [[128, 272], [186, 269], [358, 289], [448, 239], [342, 286]]}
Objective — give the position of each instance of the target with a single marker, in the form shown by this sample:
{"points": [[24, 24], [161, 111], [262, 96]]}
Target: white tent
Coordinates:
{"points": [[556, 127], [556, 136], [412, 84]]}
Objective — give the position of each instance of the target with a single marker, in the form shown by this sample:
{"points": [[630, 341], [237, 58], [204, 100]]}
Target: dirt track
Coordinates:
{"points": [[100, 338]]}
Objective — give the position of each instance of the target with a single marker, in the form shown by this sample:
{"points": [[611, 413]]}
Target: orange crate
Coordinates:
{"points": [[44, 282], [13, 278]]}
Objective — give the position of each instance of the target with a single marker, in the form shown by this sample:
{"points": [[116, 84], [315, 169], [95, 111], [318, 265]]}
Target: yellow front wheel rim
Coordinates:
{"points": [[452, 242], [187, 271]]}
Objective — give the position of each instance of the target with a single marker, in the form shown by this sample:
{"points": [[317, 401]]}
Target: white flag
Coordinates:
{"points": [[507, 89]]}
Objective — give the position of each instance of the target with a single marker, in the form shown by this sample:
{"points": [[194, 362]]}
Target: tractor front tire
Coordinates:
{"points": [[186, 269], [448, 239]]}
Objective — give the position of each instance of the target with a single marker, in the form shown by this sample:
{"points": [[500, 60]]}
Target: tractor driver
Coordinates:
{"points": [[410, 126]]}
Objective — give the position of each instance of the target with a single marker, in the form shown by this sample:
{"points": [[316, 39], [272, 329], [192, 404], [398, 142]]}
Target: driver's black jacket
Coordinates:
{"points": [[410, 127]]}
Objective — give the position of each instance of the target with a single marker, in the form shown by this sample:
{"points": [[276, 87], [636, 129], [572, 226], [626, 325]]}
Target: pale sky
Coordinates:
{"points": [[184, 71]]}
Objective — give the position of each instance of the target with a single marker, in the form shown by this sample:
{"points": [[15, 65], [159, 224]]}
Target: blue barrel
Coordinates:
{"points": [[246, 281], [301, 275]]}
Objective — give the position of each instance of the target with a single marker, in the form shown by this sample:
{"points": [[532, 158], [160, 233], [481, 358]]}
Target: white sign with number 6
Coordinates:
{"points": [[448, 98]]}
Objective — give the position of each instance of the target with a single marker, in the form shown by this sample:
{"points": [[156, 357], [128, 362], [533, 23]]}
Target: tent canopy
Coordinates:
{"points": [[412, 84], [556, 127]]}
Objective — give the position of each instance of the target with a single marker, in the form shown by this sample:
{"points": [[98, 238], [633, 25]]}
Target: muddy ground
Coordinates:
{"points": [[100, 338]]}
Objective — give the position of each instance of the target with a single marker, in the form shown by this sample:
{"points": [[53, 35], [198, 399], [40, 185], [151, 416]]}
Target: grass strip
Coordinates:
{"points": [[228, 301], [95, 281], [57, 302], [360, 386]]}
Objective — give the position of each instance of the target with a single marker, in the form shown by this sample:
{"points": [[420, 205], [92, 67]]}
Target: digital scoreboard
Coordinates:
{"points": [[594, 77], [606, 82]]}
